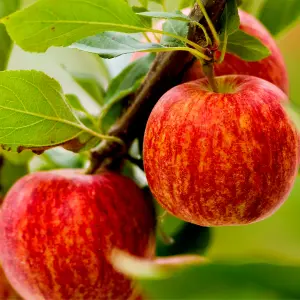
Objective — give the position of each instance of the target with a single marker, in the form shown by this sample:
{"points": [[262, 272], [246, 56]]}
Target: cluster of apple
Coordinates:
{"points": [[226, 158]]}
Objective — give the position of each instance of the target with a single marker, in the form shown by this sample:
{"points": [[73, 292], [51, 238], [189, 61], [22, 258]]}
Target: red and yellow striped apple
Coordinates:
{"points": [[272, 68], [226, 158], [58, 230]]}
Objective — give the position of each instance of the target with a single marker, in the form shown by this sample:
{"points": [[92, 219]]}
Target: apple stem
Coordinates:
{"points": [[208, 69]]}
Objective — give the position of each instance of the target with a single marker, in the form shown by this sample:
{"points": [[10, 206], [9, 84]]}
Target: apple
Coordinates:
{"points": [[272, 68], [58, 229], [6, 290], [219, 159]]}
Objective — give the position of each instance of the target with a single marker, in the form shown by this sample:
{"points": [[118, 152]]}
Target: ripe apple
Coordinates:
{"points": [[226, 158], [272, 68], [58, 230], [6, 290]]}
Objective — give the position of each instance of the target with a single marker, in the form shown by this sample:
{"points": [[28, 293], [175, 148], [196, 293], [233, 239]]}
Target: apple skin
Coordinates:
{"points": [[221, 159], [6, 290], [272, 68], [58, 229]]}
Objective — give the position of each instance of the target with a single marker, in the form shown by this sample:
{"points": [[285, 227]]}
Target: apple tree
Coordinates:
{"points": [[130, 188]]}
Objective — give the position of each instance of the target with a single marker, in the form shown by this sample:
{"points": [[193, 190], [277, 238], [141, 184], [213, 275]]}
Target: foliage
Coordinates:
{"points": [[6, 7]]}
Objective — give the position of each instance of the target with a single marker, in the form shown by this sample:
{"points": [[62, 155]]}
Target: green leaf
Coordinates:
{"points": [[227, 281], [146, 21], [279, 15], [251, 6], [176, 27], [91, 85], [161, 2], [230, 19], [112, 44], [9, 174], [6, 7], [185, 3], [144, 3], [166, 15], [89, 120], [230, 23], [127, 82], [75, 103], [246, 46], [49, 23], [35, 115]]}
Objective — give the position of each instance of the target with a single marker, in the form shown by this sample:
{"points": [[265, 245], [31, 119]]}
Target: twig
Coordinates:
{"points": [[166, 72]]}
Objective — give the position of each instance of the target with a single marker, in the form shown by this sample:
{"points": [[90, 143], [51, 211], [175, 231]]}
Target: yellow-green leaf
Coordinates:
{"points": [[49, 23], [35, 115]]}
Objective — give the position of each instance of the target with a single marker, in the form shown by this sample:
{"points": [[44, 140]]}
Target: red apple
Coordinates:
{"points": [[58, 230], [6, 290], [272, 68], [218, 159]]}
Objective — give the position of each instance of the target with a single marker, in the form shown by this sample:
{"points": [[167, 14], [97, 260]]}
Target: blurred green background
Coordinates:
{"points": [[274, 241]]}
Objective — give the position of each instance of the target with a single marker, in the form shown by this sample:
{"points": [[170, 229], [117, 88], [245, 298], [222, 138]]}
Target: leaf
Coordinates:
{"points": [[74, 102], [246, 46], [91, 85], [35, 115], [158, 268], [9, 174], [279, 15], [227, 281], [147, 22], [161, 2], [185, 3], [6, 8], [112, 44], [89, 120], [144, 3], [176, 27], [122, 85], [49, 23], [166, 15], [230, 20], [251, 6]]}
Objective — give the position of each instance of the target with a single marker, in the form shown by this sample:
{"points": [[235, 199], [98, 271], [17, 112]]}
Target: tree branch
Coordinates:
{"points": [[166, 72]]}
